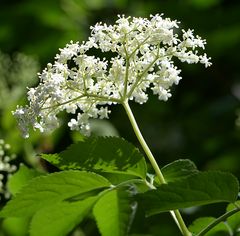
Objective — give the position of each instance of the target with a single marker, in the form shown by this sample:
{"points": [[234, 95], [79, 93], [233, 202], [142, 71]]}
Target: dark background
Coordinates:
{"points": [[198, 122]]}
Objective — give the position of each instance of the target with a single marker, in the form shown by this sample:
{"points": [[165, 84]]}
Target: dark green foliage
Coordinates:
{"points": [[227, 224], [198, 189], [178, 169], [220, 230], [234, 220]]}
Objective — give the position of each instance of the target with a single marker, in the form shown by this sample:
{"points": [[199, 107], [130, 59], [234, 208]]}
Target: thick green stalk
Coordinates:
{"points": [[176, 214]]}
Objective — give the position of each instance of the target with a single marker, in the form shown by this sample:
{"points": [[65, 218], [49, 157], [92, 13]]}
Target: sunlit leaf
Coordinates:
{"points": [[59, 219], [113, 213], [15, 226], [45, 191], [21, 178], [101, 154]]}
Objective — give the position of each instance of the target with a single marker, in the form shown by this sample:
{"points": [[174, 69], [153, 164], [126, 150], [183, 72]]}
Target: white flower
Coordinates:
{"points": [[143, 58], [73, 124], [205, 60]]}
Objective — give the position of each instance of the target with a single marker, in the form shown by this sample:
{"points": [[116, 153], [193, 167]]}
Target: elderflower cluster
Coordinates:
{"points": [[143, 52], [6, 168]]}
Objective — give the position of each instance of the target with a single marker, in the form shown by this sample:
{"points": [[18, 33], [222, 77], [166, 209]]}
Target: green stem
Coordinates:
{"points": [[217, 221], [143, 143], [176, 214]]}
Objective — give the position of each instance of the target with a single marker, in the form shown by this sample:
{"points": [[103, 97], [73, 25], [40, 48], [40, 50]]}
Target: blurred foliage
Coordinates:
{"points": [[198, 122], [16, 73]]}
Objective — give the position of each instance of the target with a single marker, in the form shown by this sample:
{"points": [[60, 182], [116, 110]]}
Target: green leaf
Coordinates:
{"points": [[113, 213], [234, 220], [198, 189], [45, 191], [178, 169], [21, 178], [15, 226], [200, 223], [101, 154], [116, 179], [59, 219]]}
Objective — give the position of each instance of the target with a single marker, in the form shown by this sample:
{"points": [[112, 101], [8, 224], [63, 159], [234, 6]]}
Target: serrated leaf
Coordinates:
{"points": [[101, 154], [234, 220], [46, 190], [113, 213], [198, 189], [21, 178], [200, 223], [178, 169], [59, 219]]}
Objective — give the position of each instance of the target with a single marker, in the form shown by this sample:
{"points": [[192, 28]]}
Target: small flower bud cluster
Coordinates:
{"points": [[143, 58], [6, 168]]}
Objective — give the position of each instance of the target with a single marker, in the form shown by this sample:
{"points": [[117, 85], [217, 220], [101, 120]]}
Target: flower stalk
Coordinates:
{"points": [[175, 214]]}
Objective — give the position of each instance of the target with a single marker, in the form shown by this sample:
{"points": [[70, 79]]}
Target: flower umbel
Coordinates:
{"points": [[143, 51]]}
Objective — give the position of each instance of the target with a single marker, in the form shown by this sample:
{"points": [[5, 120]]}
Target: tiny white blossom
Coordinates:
{"points": [[205, 60], [73, 124], [143, 59]]}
